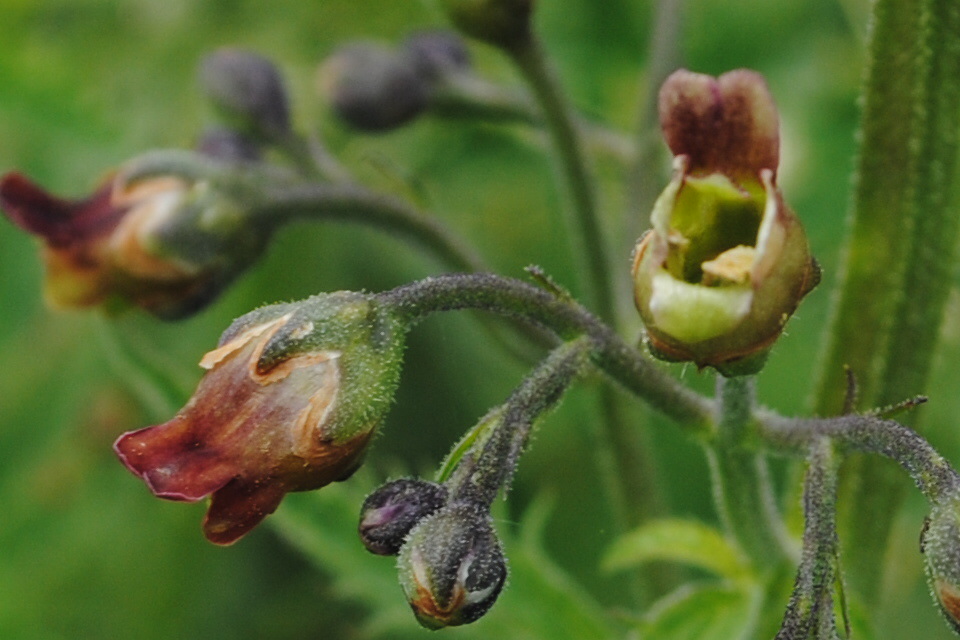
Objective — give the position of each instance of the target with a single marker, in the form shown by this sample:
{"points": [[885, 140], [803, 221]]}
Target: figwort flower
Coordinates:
{"points": [[292, 396], [165, 244], [451, 567], [726, 262]]}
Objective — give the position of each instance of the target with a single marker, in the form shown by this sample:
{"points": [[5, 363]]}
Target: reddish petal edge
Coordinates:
{"points": [[171, 468], [239, 506]]}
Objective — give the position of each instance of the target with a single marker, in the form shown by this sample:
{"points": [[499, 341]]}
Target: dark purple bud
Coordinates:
{"points": [[248, 89], [229, 145], [437, 53], [373, 88], [389, 513]]}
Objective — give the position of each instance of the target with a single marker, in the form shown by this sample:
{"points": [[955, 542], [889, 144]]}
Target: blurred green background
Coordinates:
{"points": [[86, 552]]}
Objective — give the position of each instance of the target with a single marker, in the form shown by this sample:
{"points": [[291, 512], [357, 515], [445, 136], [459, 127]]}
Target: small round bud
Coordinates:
{"points": [[940, 545], [389, 513], [229, 145], [437, 53], [373, 88], [504, 23], [451, 567], [248, 89]]}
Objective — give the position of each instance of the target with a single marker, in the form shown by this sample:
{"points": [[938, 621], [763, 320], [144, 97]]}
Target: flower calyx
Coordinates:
{"points": [[726, 261]]}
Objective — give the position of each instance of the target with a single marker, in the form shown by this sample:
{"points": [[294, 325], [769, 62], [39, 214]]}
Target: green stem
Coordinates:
{"points": [[464, 95], [564, 318], [741, 480], [357, 204], [900, 260], [931, 472], [489, 466], [645, 177], [810, 611], [590, 248]]}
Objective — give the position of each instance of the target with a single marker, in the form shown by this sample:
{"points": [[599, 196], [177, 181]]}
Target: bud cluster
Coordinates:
{"points": [[376, 88]]}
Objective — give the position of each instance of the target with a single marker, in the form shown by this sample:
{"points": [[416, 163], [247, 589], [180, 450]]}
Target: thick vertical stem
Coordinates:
{"points": [[741, 483], [900, 259]]}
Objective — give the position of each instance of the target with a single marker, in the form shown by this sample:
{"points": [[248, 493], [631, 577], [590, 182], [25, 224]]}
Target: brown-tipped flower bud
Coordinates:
{"points": [[373, 88], [726, 262], [389, 513], [291, 398], [435, 54], [248, 89], [940, 545], [504, 23], [451, 567], [164, 243]]}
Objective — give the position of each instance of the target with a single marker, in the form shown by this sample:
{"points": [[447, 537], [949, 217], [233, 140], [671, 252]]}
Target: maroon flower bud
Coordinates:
{"points": [[727, 262], [164, 244], [373, 88], [290, 400], [389, 513], [247, 89], [437, 53]]}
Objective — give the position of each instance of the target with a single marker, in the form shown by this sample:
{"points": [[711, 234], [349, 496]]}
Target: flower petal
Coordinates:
{"points": [[727, 125], [240, 506]]}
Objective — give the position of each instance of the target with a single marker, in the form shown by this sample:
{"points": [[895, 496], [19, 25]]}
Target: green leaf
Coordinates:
{"points": [[698, 612], [683, 541]]}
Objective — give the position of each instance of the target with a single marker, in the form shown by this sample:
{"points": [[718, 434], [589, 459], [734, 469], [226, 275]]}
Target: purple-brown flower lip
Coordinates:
{"points": [[98, 247], [247, 437]]}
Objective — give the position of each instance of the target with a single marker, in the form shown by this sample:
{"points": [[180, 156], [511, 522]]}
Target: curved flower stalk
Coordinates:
{"points": [[291, 398], [726, 262]]}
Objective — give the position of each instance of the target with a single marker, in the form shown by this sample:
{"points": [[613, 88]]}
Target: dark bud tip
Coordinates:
{"points": [[373, 88], [248, 89], [389, 513], [437, 53]]}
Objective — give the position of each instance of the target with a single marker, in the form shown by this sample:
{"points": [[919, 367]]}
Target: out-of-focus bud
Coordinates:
{"points": [[940, 545], [504, 23], [228, 145], [291, 397], [436, 54], [389, 513], [726, 262], [164, 244], [451, 567], [373, 88], [248, 89]]}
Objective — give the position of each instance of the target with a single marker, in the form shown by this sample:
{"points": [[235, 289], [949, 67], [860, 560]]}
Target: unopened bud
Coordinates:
{"points": [[389, 513], [451, 567], [940, 545], [437, 53], [248, 89], [373, 88], [504, 23]]}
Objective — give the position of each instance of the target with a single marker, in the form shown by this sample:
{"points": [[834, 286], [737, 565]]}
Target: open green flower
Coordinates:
{"points": [[726, 262]]}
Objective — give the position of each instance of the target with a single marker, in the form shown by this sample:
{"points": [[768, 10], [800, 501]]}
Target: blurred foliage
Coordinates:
{"points": [[86, 552]]}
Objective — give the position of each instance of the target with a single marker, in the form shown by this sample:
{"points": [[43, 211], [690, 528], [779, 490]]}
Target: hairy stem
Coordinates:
{"points": [[564, 318], [740, 478]]}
